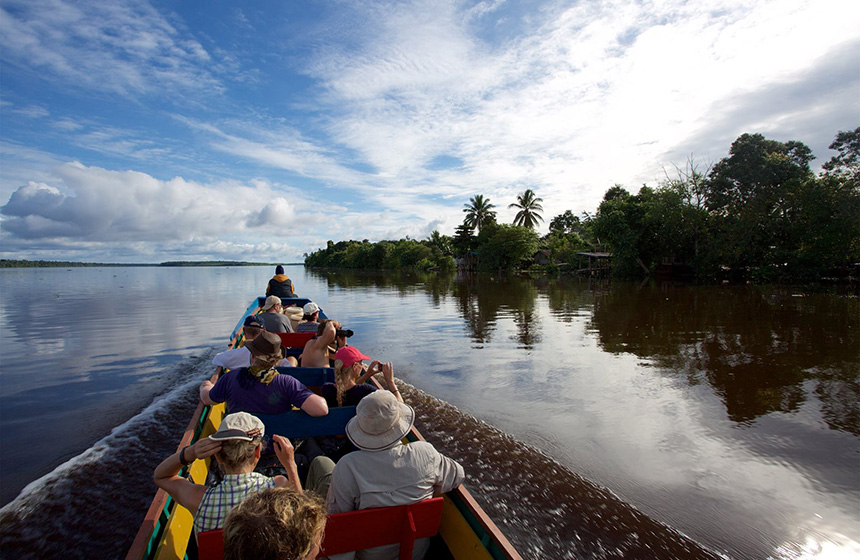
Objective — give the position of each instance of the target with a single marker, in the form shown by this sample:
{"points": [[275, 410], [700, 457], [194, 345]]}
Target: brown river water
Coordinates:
{"points": [[594, 419]]}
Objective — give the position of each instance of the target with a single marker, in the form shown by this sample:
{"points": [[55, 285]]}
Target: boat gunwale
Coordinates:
{"points": [[150, 521]]}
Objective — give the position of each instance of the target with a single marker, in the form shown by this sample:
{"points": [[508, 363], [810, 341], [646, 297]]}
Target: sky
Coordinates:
{"points": [[256, 131]]}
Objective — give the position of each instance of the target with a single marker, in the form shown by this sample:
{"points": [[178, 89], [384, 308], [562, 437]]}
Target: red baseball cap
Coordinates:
{"points": [[349, 355]]}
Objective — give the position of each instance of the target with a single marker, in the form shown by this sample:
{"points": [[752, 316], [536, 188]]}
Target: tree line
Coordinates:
{"points": [[760, 214]]}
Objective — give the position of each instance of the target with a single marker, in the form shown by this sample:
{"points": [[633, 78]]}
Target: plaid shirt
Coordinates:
{"points": [[219, 500]]}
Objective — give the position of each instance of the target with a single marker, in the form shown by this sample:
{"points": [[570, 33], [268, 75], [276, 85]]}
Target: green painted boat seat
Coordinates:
{"points": [[299, 424], [357, 530]]}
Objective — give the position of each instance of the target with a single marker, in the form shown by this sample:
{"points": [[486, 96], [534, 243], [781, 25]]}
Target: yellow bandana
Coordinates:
{"points": [[263, 374]]}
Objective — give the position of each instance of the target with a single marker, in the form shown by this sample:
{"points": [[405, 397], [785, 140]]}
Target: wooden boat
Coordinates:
{"points": [[465, 532]]}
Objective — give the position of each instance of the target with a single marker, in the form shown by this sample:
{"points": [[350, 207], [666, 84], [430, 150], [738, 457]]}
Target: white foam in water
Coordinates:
{"points": [[126, 430]]}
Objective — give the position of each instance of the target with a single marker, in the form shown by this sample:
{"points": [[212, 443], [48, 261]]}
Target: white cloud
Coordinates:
{"points": [[113, 206], [599, 94], [119, 47]]}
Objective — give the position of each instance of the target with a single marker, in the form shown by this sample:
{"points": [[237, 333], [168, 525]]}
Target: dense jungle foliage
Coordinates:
{"points": [[759, 214]]}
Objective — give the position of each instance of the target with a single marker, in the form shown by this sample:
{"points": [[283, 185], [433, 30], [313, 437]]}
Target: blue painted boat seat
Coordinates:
{"points": [[300, 424], [310, 376]]}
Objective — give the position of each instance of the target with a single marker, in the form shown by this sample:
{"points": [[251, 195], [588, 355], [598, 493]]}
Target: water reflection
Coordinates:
{"points": [[757, 347], [709, 407]]}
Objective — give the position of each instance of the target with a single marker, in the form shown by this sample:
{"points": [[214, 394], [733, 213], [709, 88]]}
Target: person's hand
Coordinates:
{"points": [[284, 450], [206, 385], [375, 367], [203, 448], [388, 372]]}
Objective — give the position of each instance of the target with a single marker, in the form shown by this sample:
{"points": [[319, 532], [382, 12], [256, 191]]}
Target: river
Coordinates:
{"points": [[594, 420]]}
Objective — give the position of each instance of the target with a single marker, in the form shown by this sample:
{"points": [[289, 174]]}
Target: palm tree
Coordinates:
{"points": [[529, 206], [479, 212]]}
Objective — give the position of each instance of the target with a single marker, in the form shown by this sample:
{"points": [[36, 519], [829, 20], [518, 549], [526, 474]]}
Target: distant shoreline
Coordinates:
{"points": [[12, 263]]}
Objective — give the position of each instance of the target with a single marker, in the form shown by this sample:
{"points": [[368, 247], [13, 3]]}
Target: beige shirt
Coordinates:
{"points": [[403, 474]]}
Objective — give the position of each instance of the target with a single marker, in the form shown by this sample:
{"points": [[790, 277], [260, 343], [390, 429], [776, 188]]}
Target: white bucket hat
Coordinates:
{"points": [[380, 421]]}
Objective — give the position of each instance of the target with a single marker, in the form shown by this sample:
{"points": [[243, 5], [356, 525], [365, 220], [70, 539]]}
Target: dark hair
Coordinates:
{"points": [[279, 269]]}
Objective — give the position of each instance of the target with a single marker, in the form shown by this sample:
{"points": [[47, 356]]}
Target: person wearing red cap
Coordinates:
{"points": [[350, 375]]}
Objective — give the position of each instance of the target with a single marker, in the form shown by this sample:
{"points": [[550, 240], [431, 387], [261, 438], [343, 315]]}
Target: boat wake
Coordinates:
{"points": [[91, 505], [544, 509]]}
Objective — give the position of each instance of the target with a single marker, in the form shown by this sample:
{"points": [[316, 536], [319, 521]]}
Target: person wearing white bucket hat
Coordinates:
{"points": [[385, 471]]}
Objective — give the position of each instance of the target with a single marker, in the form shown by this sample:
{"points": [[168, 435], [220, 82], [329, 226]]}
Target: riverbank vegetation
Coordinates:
{"points": [[758, 214]]}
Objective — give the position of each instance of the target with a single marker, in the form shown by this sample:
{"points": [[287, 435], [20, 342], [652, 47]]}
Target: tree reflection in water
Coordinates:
{"points": [[757, 347]]}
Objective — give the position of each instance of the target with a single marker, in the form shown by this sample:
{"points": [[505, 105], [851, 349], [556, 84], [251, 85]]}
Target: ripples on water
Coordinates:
{"points": [[91, 506], [728, 413]]}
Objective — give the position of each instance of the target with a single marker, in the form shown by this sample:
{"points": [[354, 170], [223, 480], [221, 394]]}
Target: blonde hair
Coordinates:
{"points": [[235, 453], [341, 376], [275, 524]]}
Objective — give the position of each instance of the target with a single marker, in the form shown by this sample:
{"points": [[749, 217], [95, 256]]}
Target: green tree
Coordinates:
{"points": [[440, 242], [503, 246], [479, 212], [752, 196], [463, 241], [530, 208], [565, 223], [847, 163]]}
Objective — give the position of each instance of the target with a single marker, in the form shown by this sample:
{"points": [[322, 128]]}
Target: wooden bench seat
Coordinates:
{"points": [[358, 530]]}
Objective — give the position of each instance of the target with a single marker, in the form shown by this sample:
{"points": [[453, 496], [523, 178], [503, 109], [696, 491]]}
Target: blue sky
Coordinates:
{"points": [[144, 132]]}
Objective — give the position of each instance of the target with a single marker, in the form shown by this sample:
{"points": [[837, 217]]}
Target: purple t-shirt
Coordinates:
{"points": [[243, 393]]}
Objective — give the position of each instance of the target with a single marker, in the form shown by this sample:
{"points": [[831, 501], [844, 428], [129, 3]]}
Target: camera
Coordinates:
{"points": [[345, 332]]}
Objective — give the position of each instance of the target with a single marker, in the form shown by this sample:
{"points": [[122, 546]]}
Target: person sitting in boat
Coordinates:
{"points": [[260, 388], [294, 525], [242, 357], [236, 447], [273, 317], [386, 472], [310, 318], [318, 350], [280, 285], [350, 374]]}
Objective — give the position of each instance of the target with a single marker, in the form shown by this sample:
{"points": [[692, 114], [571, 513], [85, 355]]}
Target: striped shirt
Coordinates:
{"points": [[219, 500]]}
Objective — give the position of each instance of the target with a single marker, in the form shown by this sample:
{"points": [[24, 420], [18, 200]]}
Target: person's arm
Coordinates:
{"points": [[205, 388], [449, 474], [329, 334], [344, 493], [286, 455], [315, 405], [218, 371], [388, 373], [373, 369], [184, 491]]}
